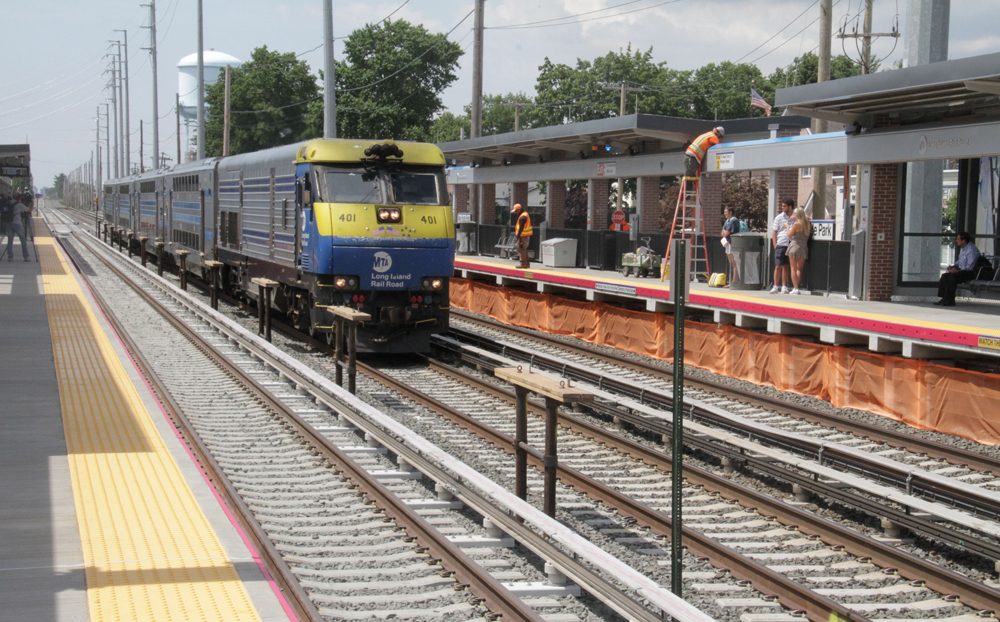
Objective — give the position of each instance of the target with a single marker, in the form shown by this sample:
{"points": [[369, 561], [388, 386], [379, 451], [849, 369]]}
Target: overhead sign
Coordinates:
{"points": [[14, 171], [607, 169], [725, 160]]}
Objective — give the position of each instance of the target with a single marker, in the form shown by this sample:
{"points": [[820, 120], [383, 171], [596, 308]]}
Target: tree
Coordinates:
{"points": [[748, 197], [448, 127], [390, 82], [723, 91], [268, 97], [805, 70], [59, 181]]}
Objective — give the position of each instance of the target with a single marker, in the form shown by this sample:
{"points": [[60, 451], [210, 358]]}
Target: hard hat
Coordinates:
{"points": [[516, 207], [721, 131]]}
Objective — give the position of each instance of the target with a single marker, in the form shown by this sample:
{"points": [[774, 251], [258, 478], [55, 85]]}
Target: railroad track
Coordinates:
{"points": [[315, 475], [929, 488]]}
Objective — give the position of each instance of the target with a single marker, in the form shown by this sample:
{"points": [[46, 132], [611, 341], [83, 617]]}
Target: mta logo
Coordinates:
{"points": [[383, 261]]}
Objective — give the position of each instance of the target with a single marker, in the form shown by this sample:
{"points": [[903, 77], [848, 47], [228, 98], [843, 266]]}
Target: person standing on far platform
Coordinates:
{"points": [[961, 272], [523, 231], [695, 153], [731, 226], [779, 238], [16, 227]]}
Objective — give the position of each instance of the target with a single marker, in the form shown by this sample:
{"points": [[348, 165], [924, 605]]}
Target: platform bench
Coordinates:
{"points": [[507, 247], [984, 287]]}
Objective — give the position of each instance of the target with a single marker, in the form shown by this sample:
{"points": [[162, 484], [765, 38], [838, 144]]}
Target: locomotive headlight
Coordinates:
{"points": [[436, 284], [341, 282], [345, 282], [389, 214], [431, 284]]}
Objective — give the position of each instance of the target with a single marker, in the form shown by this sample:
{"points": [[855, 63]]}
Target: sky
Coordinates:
{"points": [[53, 82]]}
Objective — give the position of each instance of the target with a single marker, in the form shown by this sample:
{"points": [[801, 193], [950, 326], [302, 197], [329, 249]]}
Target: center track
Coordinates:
{"points": [[385, 523]]}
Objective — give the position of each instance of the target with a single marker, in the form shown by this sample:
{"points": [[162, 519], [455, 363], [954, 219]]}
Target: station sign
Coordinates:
{"points": [[725, 160], [824, 230], [463, 217], [607, 169], [15, 171]]}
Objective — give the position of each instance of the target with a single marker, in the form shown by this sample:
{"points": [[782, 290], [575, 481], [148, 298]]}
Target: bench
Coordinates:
{"points": [[507, 247], [981, 286]]}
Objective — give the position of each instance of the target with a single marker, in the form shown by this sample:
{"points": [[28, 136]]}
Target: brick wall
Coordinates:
{"points": [[711, 202], [600, 189], [788, 185], [489, 203], [881, 262], [557, 203], [461, 197], [521, 193], [649, 193]]}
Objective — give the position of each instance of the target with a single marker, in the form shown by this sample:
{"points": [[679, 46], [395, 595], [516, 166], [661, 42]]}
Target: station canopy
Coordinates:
{"points": [[957, 91], [15, 161], [630, 134]]}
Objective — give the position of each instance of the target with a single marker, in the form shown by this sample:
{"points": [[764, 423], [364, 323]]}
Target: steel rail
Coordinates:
{"points": [[495, 596], [973, 593], [900, 440], [299, 600], [975, 501], [791, 594]]}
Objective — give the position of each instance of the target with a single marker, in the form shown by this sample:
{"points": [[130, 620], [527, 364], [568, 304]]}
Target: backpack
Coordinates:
{"points": [[743, 227], [6, 212], [983, 269]]}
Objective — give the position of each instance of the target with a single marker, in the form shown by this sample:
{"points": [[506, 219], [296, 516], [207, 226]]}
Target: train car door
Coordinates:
{"points": [[270, 253]]}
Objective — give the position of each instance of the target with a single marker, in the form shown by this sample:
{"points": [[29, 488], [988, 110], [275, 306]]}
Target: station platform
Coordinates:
{"points": [[911, 329], [104, 515]]}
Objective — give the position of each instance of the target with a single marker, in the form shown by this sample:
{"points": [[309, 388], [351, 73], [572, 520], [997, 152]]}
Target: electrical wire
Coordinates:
{"points": [[559, 19], [591, 19], [378, 22], [807, 26], [797, 18], [49, 114], [61, 78], [55, 97]]}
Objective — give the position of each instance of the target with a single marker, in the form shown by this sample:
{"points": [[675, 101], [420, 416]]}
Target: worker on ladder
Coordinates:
{"points": [[523, 231], [696, 151]]}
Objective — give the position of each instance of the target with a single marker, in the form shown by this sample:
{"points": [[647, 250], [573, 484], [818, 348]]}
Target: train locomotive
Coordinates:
{"points": [[333, 222]]}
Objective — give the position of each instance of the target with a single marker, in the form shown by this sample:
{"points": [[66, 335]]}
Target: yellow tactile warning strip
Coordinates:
{"points": [[149, 551]]}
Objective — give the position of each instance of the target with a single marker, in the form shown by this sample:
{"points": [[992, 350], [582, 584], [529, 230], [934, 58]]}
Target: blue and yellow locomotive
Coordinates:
{"points": [[333, 222]]}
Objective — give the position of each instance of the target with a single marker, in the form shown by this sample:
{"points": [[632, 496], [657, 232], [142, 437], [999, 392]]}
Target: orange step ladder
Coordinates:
{"points": [[690, 224]]}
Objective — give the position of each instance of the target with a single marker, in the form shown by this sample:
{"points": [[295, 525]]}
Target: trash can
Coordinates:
{"points": [[465, 239], [748, 251]]}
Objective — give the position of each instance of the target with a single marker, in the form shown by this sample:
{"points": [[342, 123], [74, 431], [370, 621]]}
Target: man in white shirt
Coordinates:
{"points": [[16, 227], [961, 272], [779, 239]]}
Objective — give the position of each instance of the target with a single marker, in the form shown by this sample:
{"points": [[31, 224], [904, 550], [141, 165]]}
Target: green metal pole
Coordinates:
{"points": [[678, 294]]}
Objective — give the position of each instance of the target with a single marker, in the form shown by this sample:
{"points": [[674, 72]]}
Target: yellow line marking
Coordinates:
{"points": [[133, 505]]}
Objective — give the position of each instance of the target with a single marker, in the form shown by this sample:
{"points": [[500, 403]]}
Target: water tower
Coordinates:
{"points": [[187, 82]]}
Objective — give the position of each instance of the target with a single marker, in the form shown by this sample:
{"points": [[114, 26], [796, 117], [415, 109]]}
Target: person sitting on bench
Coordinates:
{"points": [[961, 272]]}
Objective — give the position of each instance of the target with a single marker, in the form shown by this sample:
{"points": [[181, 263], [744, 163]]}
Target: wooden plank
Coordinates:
{"points": [[264, 282], [208, 263], [543, 385], [349, 314]]}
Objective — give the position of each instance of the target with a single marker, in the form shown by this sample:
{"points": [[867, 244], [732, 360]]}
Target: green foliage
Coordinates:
{"points": [[805, 70], [407, 69], [447, 128], [723, 91], [276, 88], [748, 198], [59, 181]]}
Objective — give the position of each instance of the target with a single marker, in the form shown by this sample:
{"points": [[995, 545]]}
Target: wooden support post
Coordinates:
{"points": [[521, 442], [264, 287], [159, 258], [184, 268], [99, 222], [142, 249], [121, 240], [350, 317], [555, 392], [213, 271], [129, 244]]}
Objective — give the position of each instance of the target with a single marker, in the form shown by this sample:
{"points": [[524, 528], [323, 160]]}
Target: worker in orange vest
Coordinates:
{"points": [[523, 231], [696, 151]]}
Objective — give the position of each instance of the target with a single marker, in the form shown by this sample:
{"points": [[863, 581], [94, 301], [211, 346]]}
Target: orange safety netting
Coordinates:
{"points": [[921, 394]]}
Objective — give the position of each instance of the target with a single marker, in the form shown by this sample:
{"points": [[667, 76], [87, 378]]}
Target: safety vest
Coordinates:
{"points": [[524, 229], [699, 146]]}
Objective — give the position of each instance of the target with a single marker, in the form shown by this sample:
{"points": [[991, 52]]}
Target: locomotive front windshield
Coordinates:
{"points": [[404, 185]]}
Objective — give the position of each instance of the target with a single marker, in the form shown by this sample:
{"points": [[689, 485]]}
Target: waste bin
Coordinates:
{"points": [[465, 239], [748, 251]]}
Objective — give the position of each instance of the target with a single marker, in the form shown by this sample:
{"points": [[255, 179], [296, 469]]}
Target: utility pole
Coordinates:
{"points": [[201, 86], [866, 41], [329, 93], [121, 114], [517, 112], [152, 61], [476, 122], [825, 39], [128, 123], [142, 166], [107, 139], [114, 112], [177, 110], [225, 116], [625, 89]]}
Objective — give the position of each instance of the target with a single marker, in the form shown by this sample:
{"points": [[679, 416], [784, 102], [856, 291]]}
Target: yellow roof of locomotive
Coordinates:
{"points": [[344, 150]]}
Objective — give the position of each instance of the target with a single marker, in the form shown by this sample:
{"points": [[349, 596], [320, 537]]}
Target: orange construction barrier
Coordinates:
{"points": [[920, 394]]}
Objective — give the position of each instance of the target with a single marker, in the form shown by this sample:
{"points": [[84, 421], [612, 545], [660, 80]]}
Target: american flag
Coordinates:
{"points": [[757, 101]]}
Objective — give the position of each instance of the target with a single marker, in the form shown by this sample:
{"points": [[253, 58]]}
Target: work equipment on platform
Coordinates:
{"points": [[465, 239], [688, 215], [748, 251], [643, 262], [559, 253]]}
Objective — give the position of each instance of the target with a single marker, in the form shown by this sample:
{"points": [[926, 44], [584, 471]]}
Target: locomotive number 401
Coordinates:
{"points": [[430, 220], [348, 217]]}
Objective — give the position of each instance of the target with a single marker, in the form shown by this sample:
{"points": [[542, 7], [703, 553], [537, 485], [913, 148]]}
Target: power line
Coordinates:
{"points": [[807, 26], [580, 21], [779, 32], [559, 19]]}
